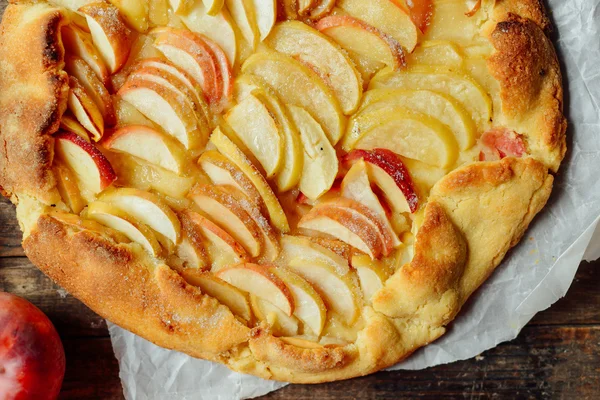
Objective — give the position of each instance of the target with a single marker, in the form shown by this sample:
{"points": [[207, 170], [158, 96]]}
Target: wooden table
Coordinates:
{"points": [[556, 356]]}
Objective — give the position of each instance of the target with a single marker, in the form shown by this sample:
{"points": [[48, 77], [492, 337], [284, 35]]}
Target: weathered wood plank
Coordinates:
{"points": [[10, 234], [71, 317]]}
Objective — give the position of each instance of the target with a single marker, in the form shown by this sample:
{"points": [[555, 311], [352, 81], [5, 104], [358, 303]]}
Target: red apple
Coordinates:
{"points": [[32, 359], [498, 143], [390, 163]]}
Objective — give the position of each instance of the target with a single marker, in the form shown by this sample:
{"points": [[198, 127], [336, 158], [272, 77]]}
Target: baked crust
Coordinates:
{"points": [[457, 245]]}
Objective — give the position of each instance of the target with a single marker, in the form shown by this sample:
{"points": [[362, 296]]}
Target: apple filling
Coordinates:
{"points": [[278, 159]]}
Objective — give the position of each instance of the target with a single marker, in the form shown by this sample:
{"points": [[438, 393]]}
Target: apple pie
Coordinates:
{"points": [[302, 190]]}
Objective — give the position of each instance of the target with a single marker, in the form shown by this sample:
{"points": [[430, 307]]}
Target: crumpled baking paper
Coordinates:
{"points": [[533, 276]]}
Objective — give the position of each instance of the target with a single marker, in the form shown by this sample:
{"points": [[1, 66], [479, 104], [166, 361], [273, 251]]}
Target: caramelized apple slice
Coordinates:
{"points": [[233, 153], [262, 282], [307, 248], [258, 130], [385, 15], [223, 249], [357, 186], [320, 8], [365, 40], [410, 134], [444, 80], [338, 291], [92, 169], [308, 45], [148, 144], [135, 13], [66, 182], [85, 110], [146, 208], [192, 252], [79, 43], [224, 209], [118, 220], [304, 6], [244, 15], [371, 275], [280, 323], [70, 124], [296, 84], [84, 74], [225, 293], [217, 25], [168, 109], [320, 159], [110, 35], [309, 306], [387, 170]]}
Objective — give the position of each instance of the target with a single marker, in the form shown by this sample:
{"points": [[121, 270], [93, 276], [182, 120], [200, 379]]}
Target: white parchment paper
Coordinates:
{"points": [[534, 275]]}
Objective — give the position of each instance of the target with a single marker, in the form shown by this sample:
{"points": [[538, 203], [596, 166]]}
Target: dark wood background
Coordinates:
{"points": [[557, 355]]}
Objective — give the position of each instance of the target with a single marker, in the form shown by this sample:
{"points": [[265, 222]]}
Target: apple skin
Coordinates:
{"points": [[498, 143], [391, 163], [32, 358]]}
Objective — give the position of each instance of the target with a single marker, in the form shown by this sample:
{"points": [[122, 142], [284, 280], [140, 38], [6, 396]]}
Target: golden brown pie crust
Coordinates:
{"points": [[457, 247]]}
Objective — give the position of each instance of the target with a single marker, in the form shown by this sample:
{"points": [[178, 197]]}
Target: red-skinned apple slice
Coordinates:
{"points": [[66, 182], [498, 143], [386, 16], [78, 68], [363, 39], [110, 35], [91, 167], [85, 109], [169, 109], [262, 282], [223, 249], [421, 12], [356, 186], [224, 210], [70, 124], [79, 43], [149, 145], [388, 172], [190, 52]]}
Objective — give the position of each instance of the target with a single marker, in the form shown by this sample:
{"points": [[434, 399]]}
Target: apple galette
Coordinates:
{"points": [[306, 191]]}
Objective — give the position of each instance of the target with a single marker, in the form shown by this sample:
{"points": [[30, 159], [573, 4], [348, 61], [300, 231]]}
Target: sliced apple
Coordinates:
{"points": [[444, 80], [146, 208], [223, 249], [150, 145], [371, 275], [301, 246], [192, 253], [304, 6], [166, 108], [70, 124], [114, 218], [387, 170], [226, 72], [135, 13], [280, 323], [233, 153], [296, 84], [79, 43], [437, 52], [222, 171], [110, 35], [92, 169], [259, 131], [421, 12], [217, 25], [225, 293], [436, 105], [320, 8], [307, 44], [86, 76], [338, 291], [302, 342], [386, 16], [293, 157], [362, 39], [66, 182], [410, 134], [320, 166], [85, 110], [224, 210], [129, 115], [265, 13], [357, 186], [142, 48], [309, 306], [346, 225], [262, 282], [88, 225], [189, 52], [244, 15]]}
